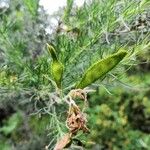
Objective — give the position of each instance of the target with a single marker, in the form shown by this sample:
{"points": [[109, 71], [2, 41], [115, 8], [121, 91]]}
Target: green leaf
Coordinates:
{"points": [[100, 68], [56, 66]]}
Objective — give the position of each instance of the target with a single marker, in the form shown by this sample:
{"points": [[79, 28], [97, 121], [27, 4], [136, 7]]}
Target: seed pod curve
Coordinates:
{"points": [[56, 66], [100, 69]]}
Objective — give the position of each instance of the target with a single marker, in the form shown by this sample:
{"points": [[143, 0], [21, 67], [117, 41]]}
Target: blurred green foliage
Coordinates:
{"points": [[121, 120], [119, 110], [11, 124]]}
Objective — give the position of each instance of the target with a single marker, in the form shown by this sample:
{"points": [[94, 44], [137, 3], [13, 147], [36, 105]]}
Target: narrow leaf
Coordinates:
{"points": [[68, 10], [100, 68], [32, 6]]}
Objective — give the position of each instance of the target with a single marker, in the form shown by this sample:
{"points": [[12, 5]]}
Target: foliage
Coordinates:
{"points": [[31, 106], [120, 120], [11, 124]]}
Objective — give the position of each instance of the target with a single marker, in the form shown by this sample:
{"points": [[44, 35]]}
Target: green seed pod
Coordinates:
{"points": [[56, 66], [100, 68]]}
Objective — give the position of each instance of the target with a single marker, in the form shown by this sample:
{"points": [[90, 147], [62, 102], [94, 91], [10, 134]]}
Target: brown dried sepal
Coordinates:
{"points": [[76, 120], [78, 93], [63, 142]]}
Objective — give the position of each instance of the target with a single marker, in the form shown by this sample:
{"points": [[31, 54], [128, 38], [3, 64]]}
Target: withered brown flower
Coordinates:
{"points": [[76, 120]]}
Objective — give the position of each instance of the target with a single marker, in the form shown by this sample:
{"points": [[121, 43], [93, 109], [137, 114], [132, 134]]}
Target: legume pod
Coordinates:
{"points": [[100, 68], [56, 66]]}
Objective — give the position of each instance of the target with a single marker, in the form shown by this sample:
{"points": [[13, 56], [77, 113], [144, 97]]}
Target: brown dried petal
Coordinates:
{"points": [[78, 94], [72, 123], [77, 121]]}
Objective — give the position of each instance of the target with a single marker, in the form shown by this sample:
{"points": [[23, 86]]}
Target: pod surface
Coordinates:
{"points": [[100, 68], [56, 66]]}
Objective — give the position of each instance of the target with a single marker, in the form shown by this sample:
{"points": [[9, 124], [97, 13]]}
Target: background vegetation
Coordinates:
{"points": [[119, 110]]}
